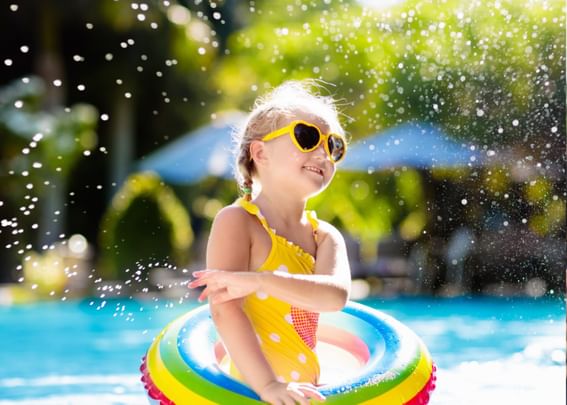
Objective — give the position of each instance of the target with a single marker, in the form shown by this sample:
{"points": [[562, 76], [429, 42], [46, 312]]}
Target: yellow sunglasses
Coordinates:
{"points": [[307, 137]]}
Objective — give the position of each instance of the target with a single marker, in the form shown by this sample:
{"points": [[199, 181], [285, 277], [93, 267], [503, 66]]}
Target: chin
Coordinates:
{"points": [[313, 191], [308, 187]]}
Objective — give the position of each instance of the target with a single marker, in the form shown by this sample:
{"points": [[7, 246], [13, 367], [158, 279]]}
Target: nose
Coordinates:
{"points": [[320, 152]]}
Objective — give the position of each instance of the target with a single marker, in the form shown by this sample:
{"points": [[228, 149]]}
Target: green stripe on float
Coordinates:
{"points": [[367, 392], [188, 377]]}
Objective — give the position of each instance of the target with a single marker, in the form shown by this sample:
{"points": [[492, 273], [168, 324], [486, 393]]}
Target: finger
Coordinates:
{"points": [[205, 293], [205, 272], [221, 297], [299, 397], [311, 392], [196, 283], [288, 400], [206, 279]]}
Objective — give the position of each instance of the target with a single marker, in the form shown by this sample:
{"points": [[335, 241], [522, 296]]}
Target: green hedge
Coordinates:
{"points": [[144, 225]]}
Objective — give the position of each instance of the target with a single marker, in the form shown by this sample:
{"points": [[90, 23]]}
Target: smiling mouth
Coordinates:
{"points": [[314, 170]]}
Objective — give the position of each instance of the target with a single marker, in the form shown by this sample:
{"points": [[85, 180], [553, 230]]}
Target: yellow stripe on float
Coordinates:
{"points": [[409, 387], [166, 382]]}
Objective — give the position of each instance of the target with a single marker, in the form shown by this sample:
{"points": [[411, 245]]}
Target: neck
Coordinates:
{"points": [[280, 208]]}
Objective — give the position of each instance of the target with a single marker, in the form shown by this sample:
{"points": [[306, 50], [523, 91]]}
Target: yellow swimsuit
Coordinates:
{"points": [[287, 334]]}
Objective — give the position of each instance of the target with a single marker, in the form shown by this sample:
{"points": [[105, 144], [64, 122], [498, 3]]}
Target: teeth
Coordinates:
{"points": [[314, 169]]}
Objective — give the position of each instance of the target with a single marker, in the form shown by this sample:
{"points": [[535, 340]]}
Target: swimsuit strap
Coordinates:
{"points": [[312, 218], [255, 210]]}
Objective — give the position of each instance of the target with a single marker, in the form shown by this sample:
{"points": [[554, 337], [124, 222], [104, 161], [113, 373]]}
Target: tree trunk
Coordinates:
{"points": [[121, 141], [50, 67]]}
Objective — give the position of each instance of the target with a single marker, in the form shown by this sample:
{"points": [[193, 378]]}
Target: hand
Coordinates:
{"points": [[222, 286], [277, 393]]}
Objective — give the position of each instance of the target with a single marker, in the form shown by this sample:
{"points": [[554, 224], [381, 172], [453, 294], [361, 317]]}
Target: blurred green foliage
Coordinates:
{"points": [[55, 139], [487, 72], [471, 67], [38, 151], [145, 224], [370, 206]]}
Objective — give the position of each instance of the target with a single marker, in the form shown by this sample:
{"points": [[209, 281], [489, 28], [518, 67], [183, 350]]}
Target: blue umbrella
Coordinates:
{"points": [[420, 145], [198, 154]]}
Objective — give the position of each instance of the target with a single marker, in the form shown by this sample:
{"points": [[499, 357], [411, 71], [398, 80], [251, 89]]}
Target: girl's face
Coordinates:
{"points": [[305, 173]]}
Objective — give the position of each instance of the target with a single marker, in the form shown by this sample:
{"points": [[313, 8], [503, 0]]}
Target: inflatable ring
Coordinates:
{"points": [[184, 364]]}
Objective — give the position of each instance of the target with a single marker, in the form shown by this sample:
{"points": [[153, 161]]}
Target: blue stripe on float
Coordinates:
{"points": [[382, 338], [202, 359], [376, 329]]}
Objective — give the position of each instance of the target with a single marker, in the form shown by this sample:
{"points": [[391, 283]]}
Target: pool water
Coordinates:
{"points": [[488, 350]]}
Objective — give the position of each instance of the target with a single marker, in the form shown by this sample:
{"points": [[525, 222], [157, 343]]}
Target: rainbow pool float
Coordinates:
{"points": [[370, 357]]}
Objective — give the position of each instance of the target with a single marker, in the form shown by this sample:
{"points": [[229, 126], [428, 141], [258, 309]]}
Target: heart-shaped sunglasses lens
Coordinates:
{"points": [[307, 137], [336, 147]]}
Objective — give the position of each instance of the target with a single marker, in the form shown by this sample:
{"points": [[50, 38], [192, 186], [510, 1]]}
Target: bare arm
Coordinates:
{"points": [[229, 249], [327, 289]]}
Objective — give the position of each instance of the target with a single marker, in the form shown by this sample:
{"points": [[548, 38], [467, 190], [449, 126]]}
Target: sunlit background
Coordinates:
{"points": [[115, 156]]}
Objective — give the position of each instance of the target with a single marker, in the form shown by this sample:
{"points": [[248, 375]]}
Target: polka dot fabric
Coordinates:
{"points": [[288, 334]]}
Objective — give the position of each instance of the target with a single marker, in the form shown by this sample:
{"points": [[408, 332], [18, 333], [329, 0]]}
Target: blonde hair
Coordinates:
{"points": [[266, 116]]}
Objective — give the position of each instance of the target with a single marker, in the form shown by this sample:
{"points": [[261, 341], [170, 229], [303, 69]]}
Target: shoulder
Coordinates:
{"points": [[327, 233], [233, 221], [231, 216], [229, 239]]}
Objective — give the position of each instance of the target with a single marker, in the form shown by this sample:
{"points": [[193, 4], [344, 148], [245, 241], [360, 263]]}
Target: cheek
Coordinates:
{"points": [[331, 174], [289, 155]]}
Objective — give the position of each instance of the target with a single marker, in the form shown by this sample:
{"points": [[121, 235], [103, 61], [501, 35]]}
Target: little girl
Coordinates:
{"points": [[276, 266]]}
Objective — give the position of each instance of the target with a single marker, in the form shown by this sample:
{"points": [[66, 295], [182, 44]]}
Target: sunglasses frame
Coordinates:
{"points": [[290, 130]]}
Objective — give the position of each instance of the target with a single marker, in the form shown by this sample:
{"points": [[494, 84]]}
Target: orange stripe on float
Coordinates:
{"points": [[345, 340], [167, 383], [411, 386]]}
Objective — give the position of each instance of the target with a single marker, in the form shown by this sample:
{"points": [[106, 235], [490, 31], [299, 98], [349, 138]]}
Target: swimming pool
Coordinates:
{"points": [[487, 350]]}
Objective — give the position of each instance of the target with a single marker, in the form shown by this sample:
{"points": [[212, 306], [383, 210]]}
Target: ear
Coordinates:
{"points": [[258, 152]]}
